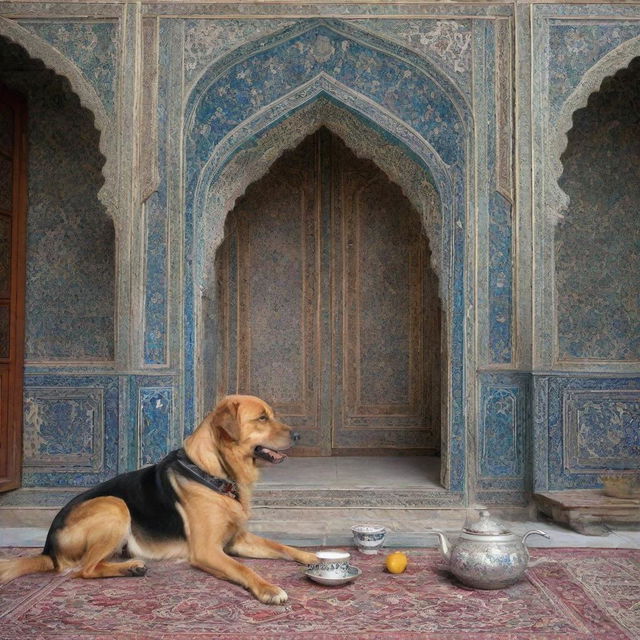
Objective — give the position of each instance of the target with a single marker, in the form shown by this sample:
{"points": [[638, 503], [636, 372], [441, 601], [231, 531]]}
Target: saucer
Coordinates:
{"points": [[351, 574]]}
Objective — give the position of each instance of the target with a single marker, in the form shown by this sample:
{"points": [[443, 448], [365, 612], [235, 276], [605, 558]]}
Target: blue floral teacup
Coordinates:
{"points": [[368, 538], [332, 563]]}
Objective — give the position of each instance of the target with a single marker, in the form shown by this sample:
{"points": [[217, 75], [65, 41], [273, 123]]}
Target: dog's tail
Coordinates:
{"points": [[11, 568]]}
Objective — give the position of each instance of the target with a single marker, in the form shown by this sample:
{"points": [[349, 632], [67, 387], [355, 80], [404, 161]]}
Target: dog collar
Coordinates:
{"points": [[190, 469]]}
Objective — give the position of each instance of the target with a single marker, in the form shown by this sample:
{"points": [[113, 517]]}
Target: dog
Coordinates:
{"points": [[192, 505]]}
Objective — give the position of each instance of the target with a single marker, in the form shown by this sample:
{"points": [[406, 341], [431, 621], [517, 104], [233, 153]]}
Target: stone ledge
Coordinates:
{"points": [[410, 498], [588, 511]]}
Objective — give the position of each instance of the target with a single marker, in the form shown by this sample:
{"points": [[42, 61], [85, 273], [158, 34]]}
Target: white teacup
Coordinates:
{"points": [[369, 538], [332, 563]]}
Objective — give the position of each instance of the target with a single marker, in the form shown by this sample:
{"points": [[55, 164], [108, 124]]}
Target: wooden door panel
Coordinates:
{"points": [[5, 256], [5, 432], [383, 249], [324, 292], [272, 247], [12, 273]]}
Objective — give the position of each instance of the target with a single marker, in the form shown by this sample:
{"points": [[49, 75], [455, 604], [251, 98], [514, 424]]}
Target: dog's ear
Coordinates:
{"points": [[225, 419]]}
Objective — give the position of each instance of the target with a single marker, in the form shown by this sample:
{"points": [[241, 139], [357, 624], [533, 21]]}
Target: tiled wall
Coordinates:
{"points": [[192, 98]]}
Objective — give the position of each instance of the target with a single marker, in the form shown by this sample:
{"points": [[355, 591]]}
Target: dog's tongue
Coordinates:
{"points": [[275, 457]]}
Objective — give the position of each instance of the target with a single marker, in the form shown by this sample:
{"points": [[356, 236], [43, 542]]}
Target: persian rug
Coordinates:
{"points": [[575, 594]]}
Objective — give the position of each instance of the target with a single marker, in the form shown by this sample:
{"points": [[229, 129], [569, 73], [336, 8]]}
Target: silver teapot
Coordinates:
{"points": [[486, 555]]}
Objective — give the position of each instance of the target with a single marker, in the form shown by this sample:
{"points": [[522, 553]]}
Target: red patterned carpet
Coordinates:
{"points": [[585, 594]]}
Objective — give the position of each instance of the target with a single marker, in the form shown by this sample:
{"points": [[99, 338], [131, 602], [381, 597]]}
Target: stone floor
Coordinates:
{"points": [[22, 524], [355, 472]]}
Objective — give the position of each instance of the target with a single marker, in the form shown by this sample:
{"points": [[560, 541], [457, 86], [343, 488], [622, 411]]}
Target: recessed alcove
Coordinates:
{"points": [[597, 256], [70, 296], [328, 307]]}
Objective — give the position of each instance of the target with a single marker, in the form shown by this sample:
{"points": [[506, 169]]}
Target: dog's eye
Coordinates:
{"points": [[263, 418]]}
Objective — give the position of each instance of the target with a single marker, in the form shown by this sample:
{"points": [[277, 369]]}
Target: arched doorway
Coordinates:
{"points": [[328, 306]]}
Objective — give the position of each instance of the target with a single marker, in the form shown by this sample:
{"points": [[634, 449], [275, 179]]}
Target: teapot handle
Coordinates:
{"points": [[536, 532]]}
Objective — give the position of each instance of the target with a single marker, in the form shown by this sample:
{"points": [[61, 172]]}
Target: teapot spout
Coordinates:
{"points": [[535, 532], [445, 548]]}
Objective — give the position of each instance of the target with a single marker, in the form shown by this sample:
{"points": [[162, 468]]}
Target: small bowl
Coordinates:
{"points": [[351, 573], [333, 564], [369, 538], [621, 485]]}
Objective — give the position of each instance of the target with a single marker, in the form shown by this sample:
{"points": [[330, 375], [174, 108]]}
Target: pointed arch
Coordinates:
{"points": [[239, 115], [54, 60], [557, 200], [248, 151]]}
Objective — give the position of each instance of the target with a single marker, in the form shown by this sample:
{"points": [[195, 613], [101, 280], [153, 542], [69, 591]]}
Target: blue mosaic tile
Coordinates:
{"points": [[500, 280], [591, 427], [155, 406], [92, 46], [503, 430], [575, 46], [152, 430], [70, 430], [155, 292]]}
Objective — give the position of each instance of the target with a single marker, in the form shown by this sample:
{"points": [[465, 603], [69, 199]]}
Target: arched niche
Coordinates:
{"points": [[38, 49], [261, 86], [70, 292], [596, 258], [554, 205], [253, 160]]}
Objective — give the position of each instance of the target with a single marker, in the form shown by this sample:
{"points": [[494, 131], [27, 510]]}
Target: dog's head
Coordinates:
{"points": [[249, 425]]}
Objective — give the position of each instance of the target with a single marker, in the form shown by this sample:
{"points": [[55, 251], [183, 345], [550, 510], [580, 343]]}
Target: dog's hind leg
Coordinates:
{"points": [[95, 531]]}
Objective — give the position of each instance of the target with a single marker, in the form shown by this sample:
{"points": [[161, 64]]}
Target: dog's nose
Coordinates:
{"points": [[295, 436]]}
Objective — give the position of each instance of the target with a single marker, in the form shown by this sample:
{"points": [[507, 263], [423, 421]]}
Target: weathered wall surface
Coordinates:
{"points": [[195, 101], [70, 301], [597, 243]]}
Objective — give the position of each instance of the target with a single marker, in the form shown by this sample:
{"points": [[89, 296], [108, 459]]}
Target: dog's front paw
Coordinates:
{"points": [[137, 572], [307, 558], [270, 594]]}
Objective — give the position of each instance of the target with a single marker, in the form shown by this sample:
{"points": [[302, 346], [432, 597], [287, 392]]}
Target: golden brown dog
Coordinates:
{"points": [[193, 505]]}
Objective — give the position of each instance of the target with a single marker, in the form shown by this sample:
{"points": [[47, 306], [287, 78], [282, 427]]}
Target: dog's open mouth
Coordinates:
{"points": [[270, 455]]}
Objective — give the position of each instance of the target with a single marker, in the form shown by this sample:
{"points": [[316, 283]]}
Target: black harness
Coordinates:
{"points": [[184, 465]]}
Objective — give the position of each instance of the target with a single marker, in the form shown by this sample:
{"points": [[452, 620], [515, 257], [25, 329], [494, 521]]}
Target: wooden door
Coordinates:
{"points": [[328, 306], [13, 202]]}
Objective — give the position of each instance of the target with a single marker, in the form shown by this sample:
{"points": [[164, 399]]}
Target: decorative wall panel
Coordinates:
{"points": [[156, 285], [500, 280], [155, 406], [583, 427], [503, 431], [64, 429], [70, 430], [601, 430], [152, 425]]}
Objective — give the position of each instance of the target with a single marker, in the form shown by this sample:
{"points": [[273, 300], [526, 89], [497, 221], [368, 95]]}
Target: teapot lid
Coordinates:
{"points": [[486, 526]]}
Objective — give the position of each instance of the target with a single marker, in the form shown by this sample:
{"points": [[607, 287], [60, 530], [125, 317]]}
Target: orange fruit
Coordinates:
{"points": [[396, 562]]}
